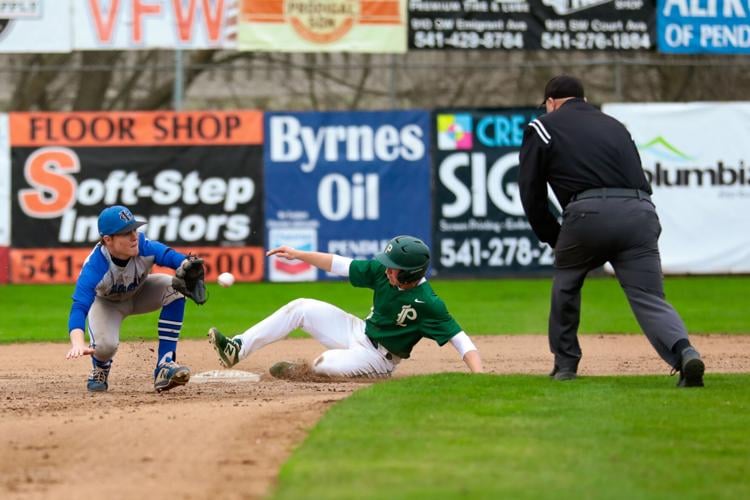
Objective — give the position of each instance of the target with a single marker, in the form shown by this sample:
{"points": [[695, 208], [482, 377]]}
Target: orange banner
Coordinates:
{"points": [[137, 128], [63, 265], [377, 26], [367, 11]]}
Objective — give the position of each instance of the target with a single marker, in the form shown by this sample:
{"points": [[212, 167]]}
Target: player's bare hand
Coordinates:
{"points": [[79, 350], [284, 251]]}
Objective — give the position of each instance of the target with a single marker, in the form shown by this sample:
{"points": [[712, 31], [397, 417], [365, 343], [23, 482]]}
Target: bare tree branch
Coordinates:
{"points": [[31, 92], [93, 85]]}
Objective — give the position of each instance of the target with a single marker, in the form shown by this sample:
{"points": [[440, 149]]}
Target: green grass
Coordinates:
{"points": [[707, 304], [516, 437]]}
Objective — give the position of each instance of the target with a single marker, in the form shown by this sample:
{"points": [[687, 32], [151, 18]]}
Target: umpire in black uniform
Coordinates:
{"points": [[593, 167]]}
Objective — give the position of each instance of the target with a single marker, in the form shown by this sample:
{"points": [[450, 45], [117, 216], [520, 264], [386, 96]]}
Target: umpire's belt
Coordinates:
{"points": [[382, 350], [611, 193]]}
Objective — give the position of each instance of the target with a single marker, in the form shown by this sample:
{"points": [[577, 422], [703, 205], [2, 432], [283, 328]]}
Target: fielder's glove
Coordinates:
{"points": [[189, 279]]}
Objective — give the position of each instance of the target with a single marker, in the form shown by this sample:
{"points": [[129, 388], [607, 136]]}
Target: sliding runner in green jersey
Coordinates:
{"points": [[405, 309]]}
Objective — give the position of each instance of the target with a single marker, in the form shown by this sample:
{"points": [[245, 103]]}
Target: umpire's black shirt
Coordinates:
{"points": [[574, 148]]}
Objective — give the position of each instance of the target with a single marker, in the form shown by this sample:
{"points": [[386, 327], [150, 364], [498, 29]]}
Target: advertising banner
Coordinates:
{"points": [[697, 158], [196, 178], [154, 24], [4, 198], [375, 26], [710, 27], [345, 183], [532, 24], [35, 26], [480, 227], [4, 181], [4, 265]]}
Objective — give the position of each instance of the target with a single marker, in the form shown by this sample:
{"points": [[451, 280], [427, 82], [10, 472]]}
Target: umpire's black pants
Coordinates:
{"points": [[625, 232]]}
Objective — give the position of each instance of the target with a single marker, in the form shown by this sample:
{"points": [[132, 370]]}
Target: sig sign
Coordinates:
{"points": [[346, 180], [480, 227]]}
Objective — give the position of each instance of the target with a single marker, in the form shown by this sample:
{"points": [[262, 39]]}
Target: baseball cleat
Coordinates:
{"points": [[565, 375], [227, 349], [97, 381], [691, 369], [169, 375]]}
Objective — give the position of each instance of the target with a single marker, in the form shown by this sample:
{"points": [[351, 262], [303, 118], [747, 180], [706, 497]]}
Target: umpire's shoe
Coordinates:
{"points": [[97, 381], [562, 374], [169, 375], [227, 349], [691, 369]]}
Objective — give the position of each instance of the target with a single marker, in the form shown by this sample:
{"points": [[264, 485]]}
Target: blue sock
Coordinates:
{"points": [[170, 324], [101, 364]]}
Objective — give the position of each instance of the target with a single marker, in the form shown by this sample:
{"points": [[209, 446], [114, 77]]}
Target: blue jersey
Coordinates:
{"points": [[100, 277]]}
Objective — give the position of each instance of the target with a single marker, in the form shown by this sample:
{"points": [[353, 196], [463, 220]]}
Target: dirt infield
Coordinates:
{"points": [[224, 440]]}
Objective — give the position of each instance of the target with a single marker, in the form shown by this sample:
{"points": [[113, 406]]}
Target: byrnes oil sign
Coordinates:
{"points": [[345, 183]]}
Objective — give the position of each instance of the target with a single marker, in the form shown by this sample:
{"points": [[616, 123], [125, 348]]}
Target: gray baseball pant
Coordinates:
{"points": [[625, 233], [105, 316]]}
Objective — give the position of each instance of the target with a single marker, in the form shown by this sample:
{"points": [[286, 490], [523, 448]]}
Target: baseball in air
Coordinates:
{"points": [[226, 279]]}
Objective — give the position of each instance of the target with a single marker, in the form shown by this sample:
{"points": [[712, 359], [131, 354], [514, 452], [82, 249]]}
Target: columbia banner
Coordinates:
{"points": [[196, 178], [480, 227], [704, 27], [532, 24], [35, 26], [697, 158], [151, 24], [345, 183], [375, 26]]}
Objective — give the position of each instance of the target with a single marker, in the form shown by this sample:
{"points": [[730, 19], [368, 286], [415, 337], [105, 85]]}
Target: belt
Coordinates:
{"points": [[611, 193], [381, 349]]}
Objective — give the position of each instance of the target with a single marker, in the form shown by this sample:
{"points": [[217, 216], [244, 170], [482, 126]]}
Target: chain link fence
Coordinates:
{"points": [[430, 79]]}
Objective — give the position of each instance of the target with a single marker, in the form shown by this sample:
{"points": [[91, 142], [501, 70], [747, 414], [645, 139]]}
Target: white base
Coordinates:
{"points": [[231, 376]]}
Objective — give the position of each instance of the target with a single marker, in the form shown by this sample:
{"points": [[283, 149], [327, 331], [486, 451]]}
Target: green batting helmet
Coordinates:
{"points": [[407, 253]]}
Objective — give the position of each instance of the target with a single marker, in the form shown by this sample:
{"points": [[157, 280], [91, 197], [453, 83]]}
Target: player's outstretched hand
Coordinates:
{"points": [[284, 251], [79, 350]]}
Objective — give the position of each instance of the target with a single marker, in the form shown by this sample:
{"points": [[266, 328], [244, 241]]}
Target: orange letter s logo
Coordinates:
{"points": [[53, 190]]}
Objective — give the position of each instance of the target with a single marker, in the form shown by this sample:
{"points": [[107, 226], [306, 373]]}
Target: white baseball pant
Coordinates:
{"points": [[350, 354]]}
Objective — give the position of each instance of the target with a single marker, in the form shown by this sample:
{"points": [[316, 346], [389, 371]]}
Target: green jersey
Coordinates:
{"points": [[400, 318]]}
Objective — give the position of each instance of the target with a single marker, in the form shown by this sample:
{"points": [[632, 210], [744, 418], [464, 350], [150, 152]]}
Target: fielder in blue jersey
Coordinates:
{"points": [[115, 283]]}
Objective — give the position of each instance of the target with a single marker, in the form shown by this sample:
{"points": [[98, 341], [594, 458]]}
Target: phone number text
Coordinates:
{"points": [[63, 265], [596, 41], [496, 252], [468, 40]]}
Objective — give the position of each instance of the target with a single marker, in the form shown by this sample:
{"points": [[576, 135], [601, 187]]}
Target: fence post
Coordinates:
{"points": [[179, 81], [618, 80], [392, 81]]}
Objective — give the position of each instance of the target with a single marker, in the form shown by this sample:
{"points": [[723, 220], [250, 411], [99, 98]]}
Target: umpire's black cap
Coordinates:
{"points": [[563, 86]]}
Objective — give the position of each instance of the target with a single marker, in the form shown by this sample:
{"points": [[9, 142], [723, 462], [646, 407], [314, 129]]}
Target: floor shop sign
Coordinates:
{"points": [[195, 177], [621, 25], [345, 183], [697, 158], [480, 227]]}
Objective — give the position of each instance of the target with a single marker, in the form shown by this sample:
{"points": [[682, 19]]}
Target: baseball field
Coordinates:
{"points": [[622, 430]]}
